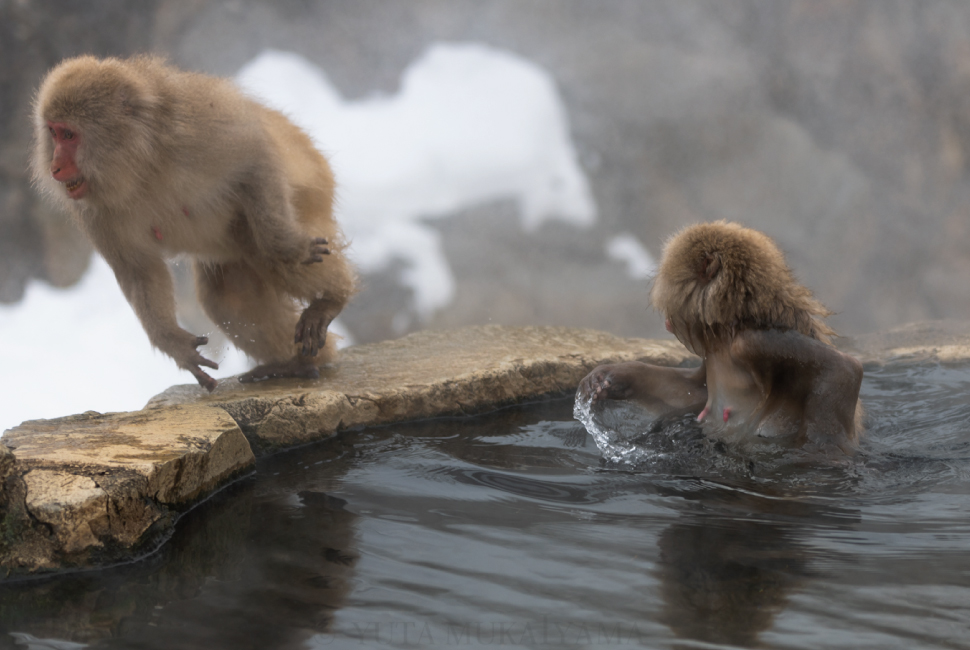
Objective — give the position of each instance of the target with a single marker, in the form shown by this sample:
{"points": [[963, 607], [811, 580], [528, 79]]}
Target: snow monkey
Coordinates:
{"points": [[768, 367], [152, 161]]}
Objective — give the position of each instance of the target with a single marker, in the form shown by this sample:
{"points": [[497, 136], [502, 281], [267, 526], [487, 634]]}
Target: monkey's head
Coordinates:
{"points": [[93, 124], [717, 279]]}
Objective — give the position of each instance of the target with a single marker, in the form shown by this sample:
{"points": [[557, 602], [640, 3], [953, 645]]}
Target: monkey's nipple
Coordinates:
{"points": [[703, 414]]}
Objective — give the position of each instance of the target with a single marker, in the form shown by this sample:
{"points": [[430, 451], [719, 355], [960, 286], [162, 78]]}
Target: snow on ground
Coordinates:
{"points": [[70, 351], [470, 124]]}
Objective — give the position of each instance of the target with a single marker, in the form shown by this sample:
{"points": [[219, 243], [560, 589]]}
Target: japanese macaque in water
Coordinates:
{"points": [[152, 161], [768, 368]]}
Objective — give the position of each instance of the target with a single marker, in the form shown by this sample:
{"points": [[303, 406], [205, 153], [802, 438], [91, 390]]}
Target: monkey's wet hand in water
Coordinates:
{"points": [[607, 382], [318, 248]]}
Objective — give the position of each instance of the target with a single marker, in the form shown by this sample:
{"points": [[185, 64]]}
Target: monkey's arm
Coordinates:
{"points": [[658, 388], [147, 285], [801, 375]]}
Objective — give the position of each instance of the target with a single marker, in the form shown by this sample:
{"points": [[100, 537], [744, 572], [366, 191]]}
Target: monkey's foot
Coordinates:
{"points": [[292, 368], [311, 329]]}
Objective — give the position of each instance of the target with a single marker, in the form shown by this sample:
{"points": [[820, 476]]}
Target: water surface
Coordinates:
{"points": [[511, 530]]}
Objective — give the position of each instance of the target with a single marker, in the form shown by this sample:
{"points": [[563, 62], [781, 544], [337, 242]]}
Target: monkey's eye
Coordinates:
{"points": [[53, 133], [68, 134]]}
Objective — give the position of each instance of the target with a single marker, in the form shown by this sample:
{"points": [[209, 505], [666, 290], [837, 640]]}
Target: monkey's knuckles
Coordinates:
{"points": [[593, 385], [316, 254], [609, 386]]}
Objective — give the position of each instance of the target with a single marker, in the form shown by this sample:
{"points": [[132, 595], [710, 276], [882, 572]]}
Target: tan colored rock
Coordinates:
{"points": [[942, 341], [96, 488], [73, 506], [426, 374], [181, 452]]}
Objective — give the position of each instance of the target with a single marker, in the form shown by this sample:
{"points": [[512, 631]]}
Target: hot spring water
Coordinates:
{"points": [[512, 530]]}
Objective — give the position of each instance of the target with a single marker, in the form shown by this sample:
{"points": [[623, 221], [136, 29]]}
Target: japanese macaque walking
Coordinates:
{"points": [[768, 367], [153, 161]]}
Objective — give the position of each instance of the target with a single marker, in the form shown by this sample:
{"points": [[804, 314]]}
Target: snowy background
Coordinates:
{"points": [[523, 163], [470, 125]]}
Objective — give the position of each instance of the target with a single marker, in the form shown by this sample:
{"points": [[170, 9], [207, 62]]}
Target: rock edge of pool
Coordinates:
{"points": [[91, 490]]}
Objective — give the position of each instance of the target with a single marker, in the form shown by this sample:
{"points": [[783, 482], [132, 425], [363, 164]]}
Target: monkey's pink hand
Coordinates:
{"points": [[194, 359], [607, 382], [318, 248]]}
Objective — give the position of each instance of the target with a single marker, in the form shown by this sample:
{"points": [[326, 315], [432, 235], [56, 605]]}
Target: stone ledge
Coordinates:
{"points": [[942, 341], [426, 374], [92, 489], [95, 489]]}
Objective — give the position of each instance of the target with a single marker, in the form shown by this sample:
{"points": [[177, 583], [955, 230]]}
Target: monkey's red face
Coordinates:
{"points": [[64, 167]]}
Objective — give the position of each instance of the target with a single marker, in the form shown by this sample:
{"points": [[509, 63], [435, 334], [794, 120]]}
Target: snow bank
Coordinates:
{"points": [[470, 124], [69, 351]]}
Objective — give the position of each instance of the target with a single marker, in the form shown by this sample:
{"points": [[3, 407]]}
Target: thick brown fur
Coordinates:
{"points": [[768, 371], [716, 279], [163, 162]]}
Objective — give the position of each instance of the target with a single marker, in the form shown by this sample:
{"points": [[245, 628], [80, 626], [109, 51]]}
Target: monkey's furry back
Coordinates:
{"points": [[719, 278]]}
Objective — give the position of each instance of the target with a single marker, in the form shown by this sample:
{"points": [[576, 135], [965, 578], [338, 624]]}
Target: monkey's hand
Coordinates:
{"points": [[188, 358], [318, 248], [614, 381]]}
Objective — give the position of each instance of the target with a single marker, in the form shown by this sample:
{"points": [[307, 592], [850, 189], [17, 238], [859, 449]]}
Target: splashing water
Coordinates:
{"points": [[625, 433], [628, 435], [613, 429]]}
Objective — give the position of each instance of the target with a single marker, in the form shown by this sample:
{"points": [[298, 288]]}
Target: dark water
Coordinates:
{"points": [[510, 531]]}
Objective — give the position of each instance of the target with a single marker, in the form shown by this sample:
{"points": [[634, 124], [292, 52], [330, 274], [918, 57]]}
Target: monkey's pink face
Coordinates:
{"points": [[64, 167]]}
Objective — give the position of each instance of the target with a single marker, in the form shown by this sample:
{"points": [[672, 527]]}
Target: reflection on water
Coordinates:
{"points": [[724, 581], [511, 530]]}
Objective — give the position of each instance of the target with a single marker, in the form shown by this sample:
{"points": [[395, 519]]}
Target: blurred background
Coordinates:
{"points": [[522, 161]]}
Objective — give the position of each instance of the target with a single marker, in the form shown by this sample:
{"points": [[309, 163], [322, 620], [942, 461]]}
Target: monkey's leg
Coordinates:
{"points": [[326, 285], [257, 318]]}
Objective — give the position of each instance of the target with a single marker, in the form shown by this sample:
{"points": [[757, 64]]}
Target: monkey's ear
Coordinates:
{"points": [[710, 265]]}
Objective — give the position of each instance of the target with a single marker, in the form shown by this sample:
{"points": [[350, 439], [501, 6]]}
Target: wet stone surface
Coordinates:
{"points": [[95, 489]]}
